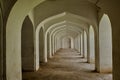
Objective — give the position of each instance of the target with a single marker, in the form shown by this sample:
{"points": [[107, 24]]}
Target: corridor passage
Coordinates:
{"points": [[67, 64]]}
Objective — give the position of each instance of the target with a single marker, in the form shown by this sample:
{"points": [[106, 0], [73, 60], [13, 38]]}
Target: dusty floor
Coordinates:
{"points": [[66, 65]]}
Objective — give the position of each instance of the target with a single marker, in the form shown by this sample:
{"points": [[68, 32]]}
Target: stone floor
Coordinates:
{"points": [[67, 64]]}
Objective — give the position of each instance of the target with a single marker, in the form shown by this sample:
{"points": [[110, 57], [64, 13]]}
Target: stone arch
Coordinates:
{"points": [[91, 54], [13, 37], [27, 45], [105, 44]]}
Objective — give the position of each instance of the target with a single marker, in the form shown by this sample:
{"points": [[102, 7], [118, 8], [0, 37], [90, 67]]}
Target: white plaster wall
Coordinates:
{"points": [[105, 42], [91, 45], [82, 45], [85, 44]]}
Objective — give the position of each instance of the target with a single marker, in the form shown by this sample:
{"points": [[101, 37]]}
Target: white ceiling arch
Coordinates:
{"points": [[78, 7], [71, 27], [62, 17], [68, 23], [67, 17], [69, 32], [65, 27]]}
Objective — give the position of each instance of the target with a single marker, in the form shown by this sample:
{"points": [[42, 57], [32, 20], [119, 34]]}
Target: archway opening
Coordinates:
{"points": [[105, 44], [27, 45]]}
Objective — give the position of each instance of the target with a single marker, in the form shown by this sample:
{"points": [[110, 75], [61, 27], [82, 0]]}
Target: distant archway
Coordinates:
{"points": [[105, 44], [66, 42]]}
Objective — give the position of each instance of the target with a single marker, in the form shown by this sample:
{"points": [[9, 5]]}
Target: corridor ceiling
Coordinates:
{"points": [[82, 11]]}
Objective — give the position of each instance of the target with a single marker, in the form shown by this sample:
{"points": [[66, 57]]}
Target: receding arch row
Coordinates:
{"points": [[61, 34], [53, 38], [62, 23], [51, 33], [37, 30], [52, 18], [45, 47], [67, 23], [46, 39], [56, 32], [88, 46]]}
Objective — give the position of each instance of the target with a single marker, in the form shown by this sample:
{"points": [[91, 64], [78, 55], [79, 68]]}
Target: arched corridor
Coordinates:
{"points": [[59, 39]]}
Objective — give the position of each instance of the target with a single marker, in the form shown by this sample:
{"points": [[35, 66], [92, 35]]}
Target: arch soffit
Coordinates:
{"points": [[58, 30], [64, 26], [65, 23], [62, 17], [63, 32]]}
